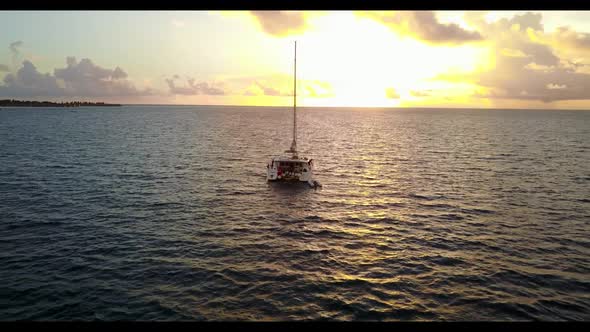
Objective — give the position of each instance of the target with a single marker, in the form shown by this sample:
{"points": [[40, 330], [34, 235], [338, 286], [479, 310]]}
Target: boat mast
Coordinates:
{"points": [[294, 143]]}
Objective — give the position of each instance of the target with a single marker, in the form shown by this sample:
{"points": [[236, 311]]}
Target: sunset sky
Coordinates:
{"points": [[502, 59]]}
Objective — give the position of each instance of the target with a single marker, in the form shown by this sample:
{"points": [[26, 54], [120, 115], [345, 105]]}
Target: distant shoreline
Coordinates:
{"points": [[25, 103], [18, 103]]}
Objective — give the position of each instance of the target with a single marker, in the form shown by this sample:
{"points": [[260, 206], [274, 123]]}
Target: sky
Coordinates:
{"points": [[479, 59]]}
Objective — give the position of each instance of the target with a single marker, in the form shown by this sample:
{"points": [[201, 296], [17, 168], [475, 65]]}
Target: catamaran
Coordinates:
{"points": [[292, 168]]}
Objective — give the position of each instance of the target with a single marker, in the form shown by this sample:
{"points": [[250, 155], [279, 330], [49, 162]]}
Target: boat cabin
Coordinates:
{"points": [[289, 169]]}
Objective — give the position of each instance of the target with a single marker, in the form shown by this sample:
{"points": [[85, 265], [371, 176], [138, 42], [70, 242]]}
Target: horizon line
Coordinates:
{"points": [[376, 107]]}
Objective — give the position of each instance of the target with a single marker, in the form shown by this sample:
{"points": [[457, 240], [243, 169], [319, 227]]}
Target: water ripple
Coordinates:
{"points": [[162, 213]]}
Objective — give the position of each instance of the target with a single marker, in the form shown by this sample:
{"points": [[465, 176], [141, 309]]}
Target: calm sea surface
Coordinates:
{"points": [[164, 213]]}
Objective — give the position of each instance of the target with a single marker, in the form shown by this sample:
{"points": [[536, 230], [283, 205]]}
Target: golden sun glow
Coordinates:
{"points": [[361, 59]]}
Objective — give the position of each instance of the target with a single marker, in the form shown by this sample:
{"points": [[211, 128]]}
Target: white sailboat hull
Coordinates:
{"points": [[289, 170]]}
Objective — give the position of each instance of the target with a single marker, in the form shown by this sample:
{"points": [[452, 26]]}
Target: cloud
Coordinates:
{"points": [[258, 88], [15, 45], [527, 64], [526, 21], [517, 23], [193, 88], [118, 74], [539, 54], [556, 86], [268, 91], [28, 82], [424, 25], [77, 79], [274, 85], [518, 78], [318, 89], [280, 85], [14, 49], [84, 78], [280, 23], [420, 93], [512, 53], [263, 89], [4, 67], [390, 93], [572, 38]]}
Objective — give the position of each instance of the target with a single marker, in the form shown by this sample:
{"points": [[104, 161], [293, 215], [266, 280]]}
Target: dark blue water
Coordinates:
{"points": [[163, 213]]}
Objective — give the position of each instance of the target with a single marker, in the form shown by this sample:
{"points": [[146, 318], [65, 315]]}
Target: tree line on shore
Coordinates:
{"points": [[32, 103]]}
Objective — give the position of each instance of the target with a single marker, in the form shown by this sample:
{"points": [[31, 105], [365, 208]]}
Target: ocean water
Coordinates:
{"points": [[163, 213]]}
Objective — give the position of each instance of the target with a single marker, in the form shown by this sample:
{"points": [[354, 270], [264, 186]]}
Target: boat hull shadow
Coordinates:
{"points": [[289, 186]]}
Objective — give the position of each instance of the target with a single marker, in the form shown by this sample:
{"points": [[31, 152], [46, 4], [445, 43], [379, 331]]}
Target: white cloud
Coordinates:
{"points": [[77, 79]]}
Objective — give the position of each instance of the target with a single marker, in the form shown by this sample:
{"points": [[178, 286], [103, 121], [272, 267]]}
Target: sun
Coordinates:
{"points": [[361, 59]]}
